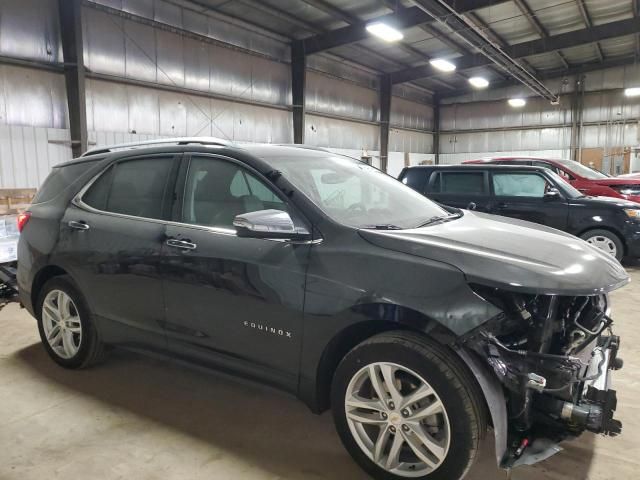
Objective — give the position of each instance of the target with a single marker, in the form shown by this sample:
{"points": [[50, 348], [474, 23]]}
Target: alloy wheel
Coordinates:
{"points": [[61, 324], [397, 419]]}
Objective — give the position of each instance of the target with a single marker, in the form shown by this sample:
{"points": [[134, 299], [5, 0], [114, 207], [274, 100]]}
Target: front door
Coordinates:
{"points": [[522, 195], [111, 239], [236, 302]]}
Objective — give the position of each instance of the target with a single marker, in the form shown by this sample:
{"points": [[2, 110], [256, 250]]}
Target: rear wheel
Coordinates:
{"points": [[65, 325], [406, 407], [606, 241]]}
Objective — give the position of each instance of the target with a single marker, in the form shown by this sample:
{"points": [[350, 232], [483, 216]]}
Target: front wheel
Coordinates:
{"points": [[606, 241], [407, 407]]}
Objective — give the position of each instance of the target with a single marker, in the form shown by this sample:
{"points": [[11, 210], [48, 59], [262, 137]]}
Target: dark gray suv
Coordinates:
{"points": [[418, 325]]}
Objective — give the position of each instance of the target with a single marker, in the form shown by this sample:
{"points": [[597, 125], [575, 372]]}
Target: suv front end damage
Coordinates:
{"points": [[553, 356]]}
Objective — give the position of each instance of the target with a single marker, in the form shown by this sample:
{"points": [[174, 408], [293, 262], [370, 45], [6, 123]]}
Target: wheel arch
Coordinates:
{"points": [[381, 318], [45, 274]]}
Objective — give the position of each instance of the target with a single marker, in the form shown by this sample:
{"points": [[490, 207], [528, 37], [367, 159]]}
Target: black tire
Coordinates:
{"points": [[612, 237], [91, 350], [446, 374]]}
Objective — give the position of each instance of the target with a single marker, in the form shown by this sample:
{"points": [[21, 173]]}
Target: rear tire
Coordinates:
{"points": [[606, 241], [434, 418], [65, 324]]}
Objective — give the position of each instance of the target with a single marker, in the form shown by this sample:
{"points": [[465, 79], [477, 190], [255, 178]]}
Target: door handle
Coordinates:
{"points": [[79, 225], [182, 244], [501, 205]]}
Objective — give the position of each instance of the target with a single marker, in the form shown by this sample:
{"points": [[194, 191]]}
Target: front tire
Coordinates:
{"points": [[65, 325], [407, 407], [606, 241]]}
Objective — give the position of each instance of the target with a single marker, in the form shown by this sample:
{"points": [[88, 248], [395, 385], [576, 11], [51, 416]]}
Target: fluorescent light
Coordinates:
{"points": [[385, 32], [479, 82], [442, 64], [632, 92], [517, 102]]}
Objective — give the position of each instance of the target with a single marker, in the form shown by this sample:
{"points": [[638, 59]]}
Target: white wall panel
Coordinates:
{"points": [[329, 132], [147, 111], [410, 114], [32, 97], [337, 97], [410, 141], [28, 153]]}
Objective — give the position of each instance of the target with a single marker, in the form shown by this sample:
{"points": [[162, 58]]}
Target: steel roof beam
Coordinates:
{"points": [[534, 47], [402, 19]]}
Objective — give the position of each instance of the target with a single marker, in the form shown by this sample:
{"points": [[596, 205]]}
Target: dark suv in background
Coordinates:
{"points": [[418, 325], [535, 194]]}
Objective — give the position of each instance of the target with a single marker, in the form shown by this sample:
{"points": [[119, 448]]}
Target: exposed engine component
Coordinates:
{"points": [[552, 355]]}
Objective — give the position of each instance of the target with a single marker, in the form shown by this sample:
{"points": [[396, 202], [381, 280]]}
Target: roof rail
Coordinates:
{"points": [[160, 141]]}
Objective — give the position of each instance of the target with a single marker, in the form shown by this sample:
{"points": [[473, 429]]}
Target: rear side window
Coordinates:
{"points": [[415, 178], [469, 183], [59, 179], [132, 187]]}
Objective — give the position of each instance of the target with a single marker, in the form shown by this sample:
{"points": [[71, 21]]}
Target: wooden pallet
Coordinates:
{"points": [[15, 200]]}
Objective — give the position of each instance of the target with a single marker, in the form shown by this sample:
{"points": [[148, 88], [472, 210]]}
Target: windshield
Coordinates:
{"points": [[581, 170], [566, 189], [354, 193]]}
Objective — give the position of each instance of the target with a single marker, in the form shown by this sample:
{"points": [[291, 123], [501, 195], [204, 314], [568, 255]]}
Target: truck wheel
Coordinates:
{"points": [[407, 407], [606, 241], [65, 324]]}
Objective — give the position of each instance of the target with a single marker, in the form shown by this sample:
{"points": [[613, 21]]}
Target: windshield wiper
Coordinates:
{"points": [[383, 226], [440, 218]]}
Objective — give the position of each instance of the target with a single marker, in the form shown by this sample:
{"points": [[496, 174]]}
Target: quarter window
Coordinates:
{"points": [[216, 191], [519, 185], [470, 183], [132, 187]]}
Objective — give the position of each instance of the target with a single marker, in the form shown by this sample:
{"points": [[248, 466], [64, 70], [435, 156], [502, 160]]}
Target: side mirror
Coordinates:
{"points": [[269, 224], [551, 194]]}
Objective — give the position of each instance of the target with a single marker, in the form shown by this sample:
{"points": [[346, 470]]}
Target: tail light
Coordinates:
{"points": [[23, 218]]}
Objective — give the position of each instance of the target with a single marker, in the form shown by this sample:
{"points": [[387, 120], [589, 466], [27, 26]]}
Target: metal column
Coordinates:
{"points": [[436, 130], [70, 15], [298, 88], [385, 116]]}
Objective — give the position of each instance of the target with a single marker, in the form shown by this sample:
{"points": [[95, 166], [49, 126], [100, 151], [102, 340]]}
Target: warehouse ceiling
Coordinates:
{"points": [[547, 37]]}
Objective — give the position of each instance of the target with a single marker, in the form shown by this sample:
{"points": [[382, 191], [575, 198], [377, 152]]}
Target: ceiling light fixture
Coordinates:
{"points": [[442, 64], [385, 32], [479, 82], [632, 92], [517, 102]]}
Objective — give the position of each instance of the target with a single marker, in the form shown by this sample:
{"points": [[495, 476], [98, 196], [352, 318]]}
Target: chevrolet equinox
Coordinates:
{"points": [[419, 325]]}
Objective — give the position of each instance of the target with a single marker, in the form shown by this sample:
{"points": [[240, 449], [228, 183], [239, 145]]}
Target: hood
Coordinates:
{"points": [[616, 181], [606, 202], [511, 254]]}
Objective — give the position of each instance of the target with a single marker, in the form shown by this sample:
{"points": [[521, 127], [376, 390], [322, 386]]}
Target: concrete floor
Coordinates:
{"points": [[144, 418]]}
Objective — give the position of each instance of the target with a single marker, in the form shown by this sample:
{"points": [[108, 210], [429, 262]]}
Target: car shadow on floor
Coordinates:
{"points": [[266, 428]]}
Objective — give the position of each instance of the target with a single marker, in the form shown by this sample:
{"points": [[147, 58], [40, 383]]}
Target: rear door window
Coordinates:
{"points": [[133, 187], [466, 183]]}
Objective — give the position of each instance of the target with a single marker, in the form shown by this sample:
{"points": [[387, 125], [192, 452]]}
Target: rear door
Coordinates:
{"points": [[522, 195], [461, 189], [231, 301], [111, 239]]}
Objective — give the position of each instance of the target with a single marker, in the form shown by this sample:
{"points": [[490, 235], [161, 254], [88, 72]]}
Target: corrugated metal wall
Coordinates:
{"points": [[230, 82], [483, 124]]}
